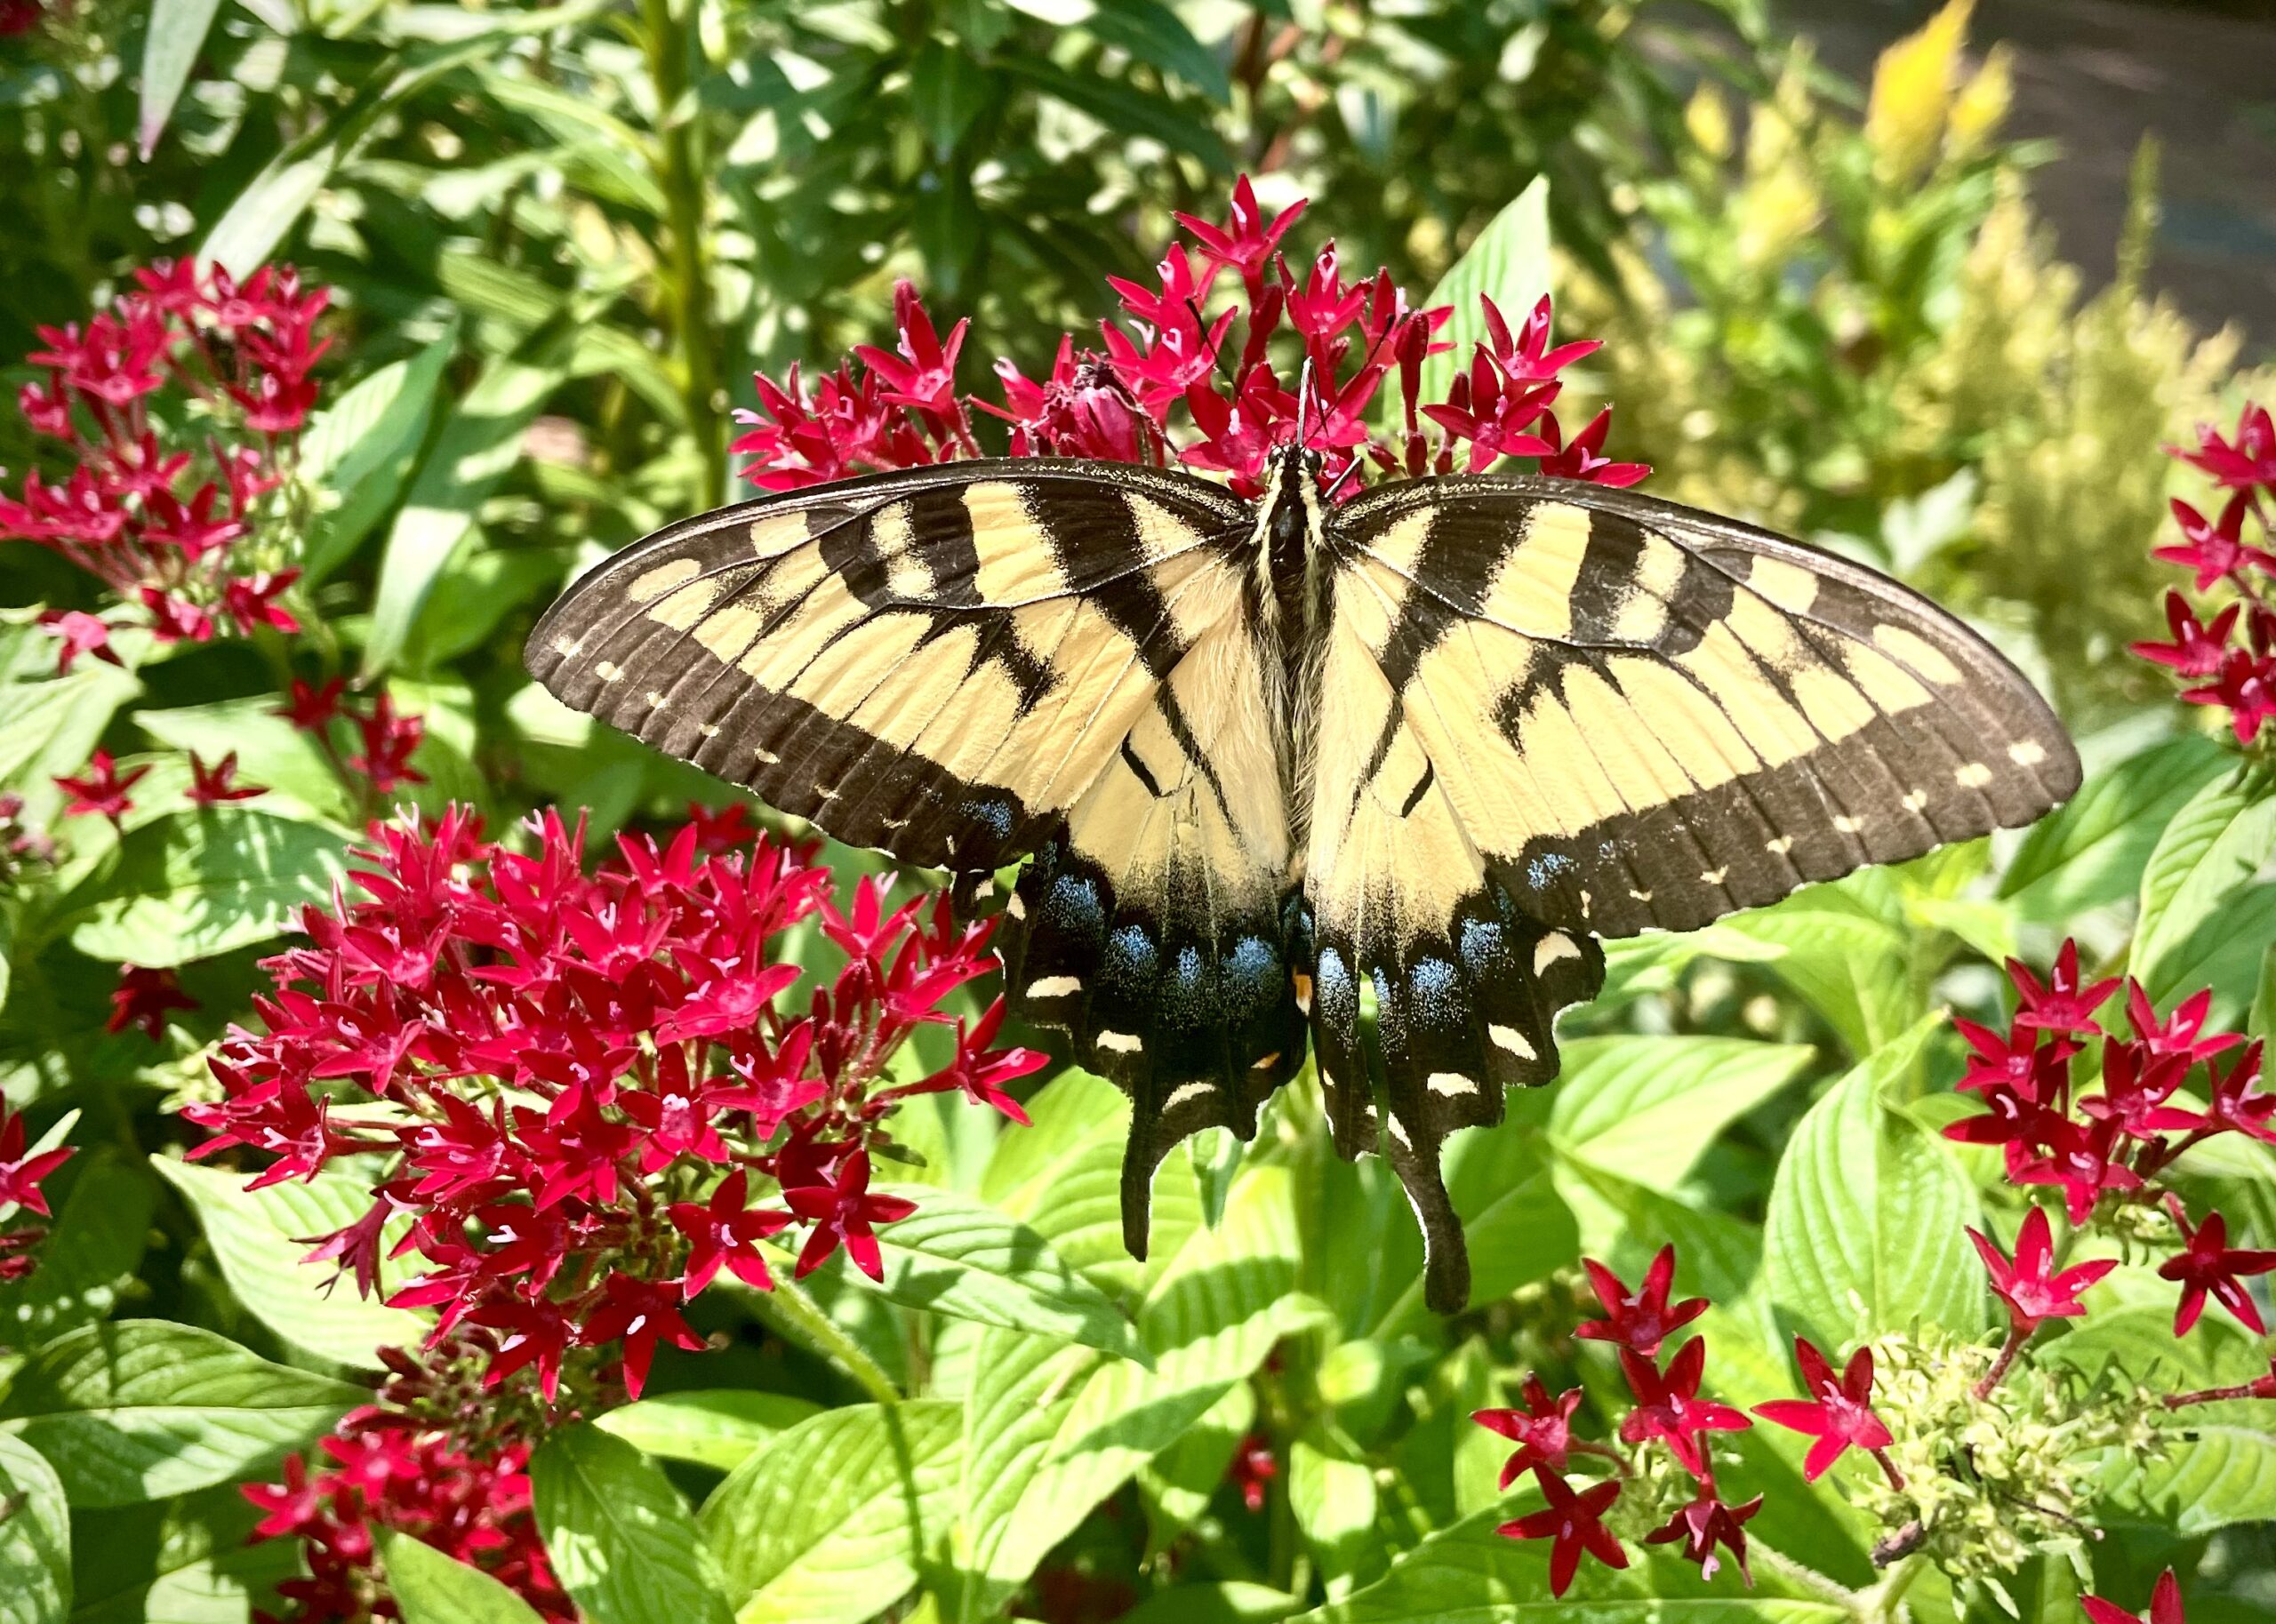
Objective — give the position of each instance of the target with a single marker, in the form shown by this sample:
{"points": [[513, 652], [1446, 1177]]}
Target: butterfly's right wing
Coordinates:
{"points": [[978, 663]]}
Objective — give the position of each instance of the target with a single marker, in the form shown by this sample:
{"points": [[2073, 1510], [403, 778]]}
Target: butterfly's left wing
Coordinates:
{"points": [[1551, 712]]}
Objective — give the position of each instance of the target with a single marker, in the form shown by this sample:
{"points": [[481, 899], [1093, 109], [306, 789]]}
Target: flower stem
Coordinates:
{"points": [[1885, 1602], [666, 40], [1895, 1477], [2017, 1335]]}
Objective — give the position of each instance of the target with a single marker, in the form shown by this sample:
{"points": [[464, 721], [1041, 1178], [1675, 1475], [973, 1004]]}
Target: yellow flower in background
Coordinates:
{"points": [[1708, 122], [1914, 83], [1981, 108]]}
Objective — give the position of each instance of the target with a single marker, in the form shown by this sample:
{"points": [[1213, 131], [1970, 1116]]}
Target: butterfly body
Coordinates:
{"points": [[1368, 779]]}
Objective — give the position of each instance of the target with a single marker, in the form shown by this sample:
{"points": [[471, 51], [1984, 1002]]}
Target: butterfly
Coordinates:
{"points": [[1370, 779]]}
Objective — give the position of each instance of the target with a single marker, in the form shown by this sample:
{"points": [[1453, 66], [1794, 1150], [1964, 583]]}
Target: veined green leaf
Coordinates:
{"points": [[1867, 1214], [1508, 262], [828, 1524], [618, 1534], [1231, 1602], [2213, 847], [142, 1409], [1154, 33], [261, 1238], [1647, 1109], [270, 752], [190, 1560], [718, 1428], [50, 725], [432, 1589], [2090, 852], [195, 884], [35, 1539], [479, 441], [359, 453]]}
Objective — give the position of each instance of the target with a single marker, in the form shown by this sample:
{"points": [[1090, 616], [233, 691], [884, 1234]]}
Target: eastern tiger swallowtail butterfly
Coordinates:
{"points": [[1374, 777]]}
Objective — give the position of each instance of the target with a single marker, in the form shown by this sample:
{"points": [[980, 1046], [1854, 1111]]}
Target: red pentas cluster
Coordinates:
{"points": [[178, 409], [594, 1091], [433, 1460], [2233, 658], [2163, 1091], [1668, 1416], [22, 1168], [1224, 357]]}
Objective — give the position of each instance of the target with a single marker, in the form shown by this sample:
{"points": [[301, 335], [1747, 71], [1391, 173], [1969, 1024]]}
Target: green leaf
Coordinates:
{"points": [[1647, 1109], [360, 452], [89, 1257], [1123, 108], [187, 1561], [1519, 1228], [717, 1427], [1508, 262], [432, 1588], [195, 884], [478, 443], [177, 32], [2091, 852], [1847, 962], [51, 725], [260, 1239], [618, 1534], [35, 1539], [1469, 1574], [957, 1256], [831, 1522], [144, 1409], [1333, 1498], [1179, 1483], [2206, 857], [1154, 33], [2225, 1471], [270, 752], [1864, 1230], [949, 90]]}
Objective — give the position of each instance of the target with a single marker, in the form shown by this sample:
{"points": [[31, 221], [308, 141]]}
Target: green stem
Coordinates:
{"points": [[1801, 1575], [667, 40], [1884, 1603], [789, 1312]]}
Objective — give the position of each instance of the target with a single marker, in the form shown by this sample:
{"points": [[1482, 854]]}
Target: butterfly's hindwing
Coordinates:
{"points": [[967, 665], [1613, 714]]}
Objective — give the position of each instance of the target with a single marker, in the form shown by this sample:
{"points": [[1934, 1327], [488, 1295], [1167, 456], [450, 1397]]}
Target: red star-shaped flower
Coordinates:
{"points": [[142, 999], [1543, 1430], [2063, 1003], [644, 1312], [210, 786], [1574, 1524], [844, 1213], [726, 1231], [1640, 1319], [1703, 1524], [1669, 1408], [1838, 1416], [21, 1174], [2033, 1291], [2210, 1267], [100, 791], [2165, 1605]]}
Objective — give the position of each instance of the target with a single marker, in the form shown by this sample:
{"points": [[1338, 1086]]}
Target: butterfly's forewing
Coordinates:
{"points": [[970, 664], [1552, 711]]}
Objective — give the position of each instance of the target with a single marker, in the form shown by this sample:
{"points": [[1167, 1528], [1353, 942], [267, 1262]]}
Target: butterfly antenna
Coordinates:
{"points": [[1337, 484], [1303, 399], [1218, 362]]}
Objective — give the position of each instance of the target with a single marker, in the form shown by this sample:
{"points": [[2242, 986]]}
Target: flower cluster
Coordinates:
{"points": [[2231, 659], [2106, 1149], [437, 1459], [1228, 355], [381, 741], [22, 1167], [179, 408], [1663, 1489], [589, 1086]]}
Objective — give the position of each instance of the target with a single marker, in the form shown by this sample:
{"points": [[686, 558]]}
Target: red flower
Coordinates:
{"points": [[727, 1230], [924, 374], [2208, 1266], [1252, 1468], [79, 633], [644, 1312], [1669, 1408], [2165, 1605], [2197, 649], [101, 790], [21, 1172], [844, 1213], [1705, 1524], [310, 708], [142, 999], [2216, 549], [1841, 1415], [389, 743], [2244, 683], [1574, 1523], [2063, 1003], [1583, 458], [2236, 1103], [2018, 1062], [1245, 244], [2249, 461], [211, 785], [1640, 1320], [1542, 1429], [2034, 1293]]}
